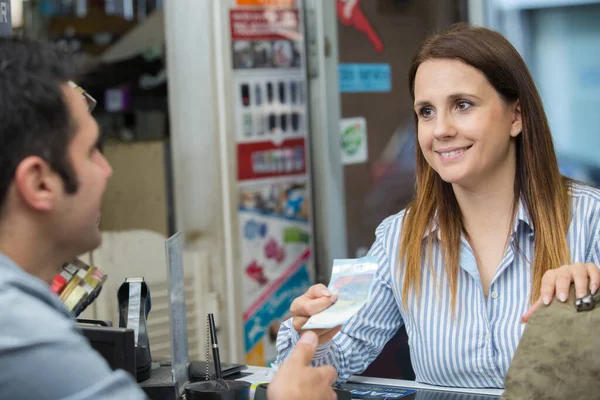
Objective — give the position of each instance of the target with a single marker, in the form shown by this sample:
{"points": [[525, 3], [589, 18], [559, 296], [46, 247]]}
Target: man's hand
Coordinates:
{"points": [[297, 380]]}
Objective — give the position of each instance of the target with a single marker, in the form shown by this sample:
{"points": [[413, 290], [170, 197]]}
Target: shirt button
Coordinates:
{"points": [[488, 336], [494, 295]]}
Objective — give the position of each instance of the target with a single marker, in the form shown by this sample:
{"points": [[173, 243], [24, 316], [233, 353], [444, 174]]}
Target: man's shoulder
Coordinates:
{"points": [[40, 342], [29, 315], [29, 309]]}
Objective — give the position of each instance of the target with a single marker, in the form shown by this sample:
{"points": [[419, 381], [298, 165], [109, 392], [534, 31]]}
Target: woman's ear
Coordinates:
{"points": [[517, 124]]}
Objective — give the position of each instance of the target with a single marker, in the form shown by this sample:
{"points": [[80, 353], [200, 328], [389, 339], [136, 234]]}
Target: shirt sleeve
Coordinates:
{"points": [[363, 337], [44, 356], [593, 252]]}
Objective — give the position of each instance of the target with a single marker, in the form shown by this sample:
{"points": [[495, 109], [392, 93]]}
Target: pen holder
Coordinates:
{"points": [[217, 389], [213, 390]]}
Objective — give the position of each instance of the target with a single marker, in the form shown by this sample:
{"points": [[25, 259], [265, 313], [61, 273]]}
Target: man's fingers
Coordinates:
{"points": [[327, 374], [530, 312], [304, 350]]}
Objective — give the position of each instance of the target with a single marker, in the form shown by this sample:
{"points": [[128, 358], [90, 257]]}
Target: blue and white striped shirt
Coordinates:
{"points": [[472, 347]]}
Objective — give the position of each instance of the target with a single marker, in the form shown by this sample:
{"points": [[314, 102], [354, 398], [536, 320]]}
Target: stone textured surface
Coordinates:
{"points": [[558, 356]]}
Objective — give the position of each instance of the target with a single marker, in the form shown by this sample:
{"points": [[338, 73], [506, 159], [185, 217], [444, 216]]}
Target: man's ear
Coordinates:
{"points": [[37, 183], [517, 124]]}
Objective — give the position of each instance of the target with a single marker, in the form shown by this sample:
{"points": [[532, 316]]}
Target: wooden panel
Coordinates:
{"points": [[136, 196]]}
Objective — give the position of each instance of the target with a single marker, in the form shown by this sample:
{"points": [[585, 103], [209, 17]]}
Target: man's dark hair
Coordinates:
{"points": [[34, 116]]}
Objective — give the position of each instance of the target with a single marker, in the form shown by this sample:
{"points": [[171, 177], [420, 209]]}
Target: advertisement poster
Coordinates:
{"points": [[266, 159], [274, 204]]}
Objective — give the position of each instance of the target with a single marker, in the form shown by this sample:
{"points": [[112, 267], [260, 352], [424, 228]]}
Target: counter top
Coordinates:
{"points": [[428, 392]]}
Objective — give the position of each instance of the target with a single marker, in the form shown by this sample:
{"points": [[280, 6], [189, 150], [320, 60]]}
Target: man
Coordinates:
{"points": [[52, 180]]}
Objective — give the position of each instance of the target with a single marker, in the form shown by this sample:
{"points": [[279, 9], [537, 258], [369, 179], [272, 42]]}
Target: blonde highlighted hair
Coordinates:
{"points": [[538, 180]]}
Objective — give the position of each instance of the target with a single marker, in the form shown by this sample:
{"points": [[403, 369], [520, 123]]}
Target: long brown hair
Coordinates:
{"points": [[538, 180]]}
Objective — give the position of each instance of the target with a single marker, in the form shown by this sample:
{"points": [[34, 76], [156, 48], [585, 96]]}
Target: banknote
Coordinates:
{"points": [[352, 281]]}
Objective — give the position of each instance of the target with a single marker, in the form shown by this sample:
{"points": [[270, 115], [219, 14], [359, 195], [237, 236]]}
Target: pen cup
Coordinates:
{"points": [[211, 390]]}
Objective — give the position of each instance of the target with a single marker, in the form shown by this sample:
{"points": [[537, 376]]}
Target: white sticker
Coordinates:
{"points": [[353, 140]]}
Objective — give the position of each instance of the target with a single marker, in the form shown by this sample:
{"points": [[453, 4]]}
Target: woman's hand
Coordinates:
{"points": [[558, 281], [316, 299]]}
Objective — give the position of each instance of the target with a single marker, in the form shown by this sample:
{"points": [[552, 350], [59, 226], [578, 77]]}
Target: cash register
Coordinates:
{"points": [[115, 345]]}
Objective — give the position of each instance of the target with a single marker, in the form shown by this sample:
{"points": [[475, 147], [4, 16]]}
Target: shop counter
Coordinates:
{"points": [[414, 389]]}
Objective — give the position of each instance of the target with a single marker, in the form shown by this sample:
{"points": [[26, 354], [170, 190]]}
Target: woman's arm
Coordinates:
{"points": [[364, 336]]}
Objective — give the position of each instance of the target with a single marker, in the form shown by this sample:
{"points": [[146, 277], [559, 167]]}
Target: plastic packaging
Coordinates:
{"points": [[351, 281]]}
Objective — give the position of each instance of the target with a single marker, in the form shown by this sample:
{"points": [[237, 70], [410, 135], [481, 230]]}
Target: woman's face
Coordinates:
{"points": [[465, 129]]}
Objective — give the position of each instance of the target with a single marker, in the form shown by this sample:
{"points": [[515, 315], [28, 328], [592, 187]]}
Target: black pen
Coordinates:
{"points": [[215, 347]]}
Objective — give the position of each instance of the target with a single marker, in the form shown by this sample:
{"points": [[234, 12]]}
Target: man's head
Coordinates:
{"points": [[52, 175]]}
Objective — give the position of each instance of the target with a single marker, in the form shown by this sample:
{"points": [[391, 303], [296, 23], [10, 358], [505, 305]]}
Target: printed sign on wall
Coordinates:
{"points": [[5, 18], [276, 250], [354, 140], [350, 13], [357, 78], [274, 215]]}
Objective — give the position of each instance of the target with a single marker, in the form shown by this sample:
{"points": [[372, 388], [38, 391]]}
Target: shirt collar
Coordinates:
{"points": [[433, 227], [522, 216], [8, 263]]}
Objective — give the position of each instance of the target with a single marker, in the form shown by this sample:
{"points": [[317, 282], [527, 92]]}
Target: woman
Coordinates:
{"points": [[493, 227]]}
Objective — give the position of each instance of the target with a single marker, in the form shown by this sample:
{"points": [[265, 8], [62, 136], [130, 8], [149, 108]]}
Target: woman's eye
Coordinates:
{"points": [[426, 112], [463, 105]]}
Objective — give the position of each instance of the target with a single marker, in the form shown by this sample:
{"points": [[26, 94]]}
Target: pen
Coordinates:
{"points": [[215, 347]]}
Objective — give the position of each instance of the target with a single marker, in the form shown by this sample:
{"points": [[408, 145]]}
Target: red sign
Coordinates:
{"points": [[267, 3], [266, 24], [267, 160], [350, 13]]}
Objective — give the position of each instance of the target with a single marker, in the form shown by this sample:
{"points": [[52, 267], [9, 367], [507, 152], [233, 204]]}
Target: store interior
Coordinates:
{"points": [[271, 138]]}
